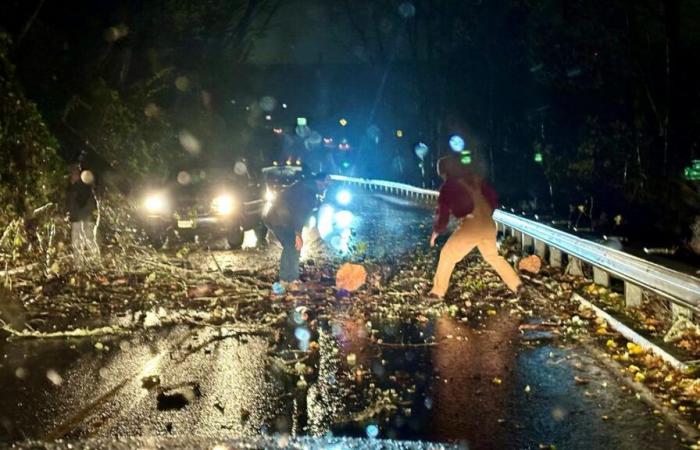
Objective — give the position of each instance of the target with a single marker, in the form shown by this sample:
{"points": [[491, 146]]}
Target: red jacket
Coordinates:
{"points": [[456, 199]]}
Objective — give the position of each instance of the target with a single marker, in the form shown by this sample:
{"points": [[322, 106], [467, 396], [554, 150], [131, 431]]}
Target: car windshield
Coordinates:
{"points": [[375, 224]]}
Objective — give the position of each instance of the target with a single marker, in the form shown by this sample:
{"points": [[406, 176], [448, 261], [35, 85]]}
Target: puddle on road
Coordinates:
{"points": [[436, 380]]}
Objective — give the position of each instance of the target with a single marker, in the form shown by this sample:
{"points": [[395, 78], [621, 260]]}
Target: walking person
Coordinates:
{"points": [[286, 218], [82, 205], [472, 200]]}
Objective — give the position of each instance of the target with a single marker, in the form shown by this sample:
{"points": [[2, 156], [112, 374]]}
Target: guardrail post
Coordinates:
{"points": [[554, 257], [574, 267], [518, 237], [527, 242], [678, 311], [540, 248], [601, 277], [633, 295]]}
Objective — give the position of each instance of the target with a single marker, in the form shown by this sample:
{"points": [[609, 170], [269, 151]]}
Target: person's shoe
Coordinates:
{"points": [[432, 298], [524, 293], [279, 288]]}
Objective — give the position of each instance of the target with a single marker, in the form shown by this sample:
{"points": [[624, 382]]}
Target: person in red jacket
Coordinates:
{"points": [[471, 199]]}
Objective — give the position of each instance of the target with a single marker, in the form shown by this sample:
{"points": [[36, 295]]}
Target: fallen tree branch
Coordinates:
{"points": [[80, 332]]}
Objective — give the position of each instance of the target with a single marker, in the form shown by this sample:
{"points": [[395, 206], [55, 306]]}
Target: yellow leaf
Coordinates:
{"points": [[491, 312], [639, 377], [496, 380], [611, 343], [634, 349], [633, 368]]}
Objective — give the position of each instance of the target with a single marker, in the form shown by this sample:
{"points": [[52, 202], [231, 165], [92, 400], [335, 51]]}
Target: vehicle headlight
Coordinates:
{"points": [[223, 204], [155, 204], [270, 195]]}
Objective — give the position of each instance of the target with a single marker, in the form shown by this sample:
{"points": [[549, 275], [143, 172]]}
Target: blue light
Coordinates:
{"points": [[325, 220], [344, 197], [343, 219], [372, 431], [456, 143]]}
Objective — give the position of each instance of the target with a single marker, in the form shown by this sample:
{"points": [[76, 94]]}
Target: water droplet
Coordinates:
{"points": [[372, 431]]}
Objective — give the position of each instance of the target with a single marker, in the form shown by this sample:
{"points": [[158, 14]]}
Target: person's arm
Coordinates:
{"points": [[442, 213]]}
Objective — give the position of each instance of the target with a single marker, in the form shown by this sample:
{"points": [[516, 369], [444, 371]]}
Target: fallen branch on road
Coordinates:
{"points": [[80, 332]]}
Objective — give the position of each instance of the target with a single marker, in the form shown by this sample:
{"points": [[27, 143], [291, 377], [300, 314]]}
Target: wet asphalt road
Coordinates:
{"points": [[483, 387]]}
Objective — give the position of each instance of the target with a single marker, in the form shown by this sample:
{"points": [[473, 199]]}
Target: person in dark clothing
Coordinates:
{"points": [[286, 217], [81, 206]]}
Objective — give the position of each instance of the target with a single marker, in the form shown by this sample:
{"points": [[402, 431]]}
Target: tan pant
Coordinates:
{"points": [[471, 234]]}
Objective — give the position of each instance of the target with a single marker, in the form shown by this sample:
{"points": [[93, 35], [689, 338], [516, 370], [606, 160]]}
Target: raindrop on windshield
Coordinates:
{"points": [[268, 104], [407, 10], [189, 142]]}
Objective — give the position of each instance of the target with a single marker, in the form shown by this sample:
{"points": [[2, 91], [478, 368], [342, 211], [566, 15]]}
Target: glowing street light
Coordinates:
{"points": [[399, 133], [538, 157], [343, 122]]}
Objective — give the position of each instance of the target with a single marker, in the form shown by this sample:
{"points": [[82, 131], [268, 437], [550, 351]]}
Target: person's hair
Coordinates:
{"points": [[451, 167]]}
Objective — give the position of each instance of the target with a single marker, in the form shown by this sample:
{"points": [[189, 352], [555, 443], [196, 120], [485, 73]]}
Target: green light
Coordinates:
{"points": [[696, 164], [301, 121], [538, 157], [466, 157], [345, 164], [692, 174]]}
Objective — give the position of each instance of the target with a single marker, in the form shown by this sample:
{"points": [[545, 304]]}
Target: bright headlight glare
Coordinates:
{"points": [[270, 195], [344, 197], [155, 203], [223, 204]]}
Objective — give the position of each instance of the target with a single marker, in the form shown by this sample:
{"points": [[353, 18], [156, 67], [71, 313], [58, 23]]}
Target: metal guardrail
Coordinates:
{"points": [[637, 273]]}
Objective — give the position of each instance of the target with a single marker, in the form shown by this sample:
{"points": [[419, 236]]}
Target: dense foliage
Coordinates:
{"points": [[31, 173]]}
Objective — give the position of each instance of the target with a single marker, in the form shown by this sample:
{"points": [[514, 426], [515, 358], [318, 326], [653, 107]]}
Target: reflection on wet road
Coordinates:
{"points": [[427, 378]]}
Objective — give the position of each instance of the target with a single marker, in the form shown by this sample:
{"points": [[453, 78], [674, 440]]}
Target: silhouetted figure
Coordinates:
{"points": [[286, 218], [81, 205]]}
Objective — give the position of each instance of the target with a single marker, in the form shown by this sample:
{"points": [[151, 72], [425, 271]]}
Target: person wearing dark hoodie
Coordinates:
{"points": [[286, 217], [81, 205], [471, 199]]}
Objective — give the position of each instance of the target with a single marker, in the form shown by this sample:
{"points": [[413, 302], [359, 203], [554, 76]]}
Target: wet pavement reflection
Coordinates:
{"points": [[481, 385]]}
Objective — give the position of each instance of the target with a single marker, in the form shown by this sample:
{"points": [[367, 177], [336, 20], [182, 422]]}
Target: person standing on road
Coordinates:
{"points": [[286, 218], [82, 205], [471, 199]]}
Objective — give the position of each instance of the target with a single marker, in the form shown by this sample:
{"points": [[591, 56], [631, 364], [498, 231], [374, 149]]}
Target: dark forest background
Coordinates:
{"points": [[607, 91]]}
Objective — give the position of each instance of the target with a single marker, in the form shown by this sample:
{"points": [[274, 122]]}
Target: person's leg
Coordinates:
{"points": [[78, 244], [457, 247], [489, 251], [92, 250], [289, 261]]}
